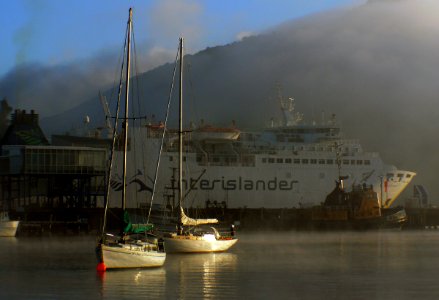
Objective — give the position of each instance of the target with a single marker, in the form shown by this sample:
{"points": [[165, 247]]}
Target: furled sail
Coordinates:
{"points": [[185, 220]]}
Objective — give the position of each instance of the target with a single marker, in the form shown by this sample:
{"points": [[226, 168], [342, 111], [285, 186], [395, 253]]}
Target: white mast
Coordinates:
{"points": [[180, 136], [125, 121]]}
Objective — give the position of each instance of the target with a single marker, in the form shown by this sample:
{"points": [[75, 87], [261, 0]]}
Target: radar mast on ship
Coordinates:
{"points": [[291, 118]]}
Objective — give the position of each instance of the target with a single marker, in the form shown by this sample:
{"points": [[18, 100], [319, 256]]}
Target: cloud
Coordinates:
{"points": [[243, 34], [171, 19]]}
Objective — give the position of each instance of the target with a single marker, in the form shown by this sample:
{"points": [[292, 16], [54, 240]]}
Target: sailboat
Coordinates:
{"points": [[136, 247], [188, 237]]}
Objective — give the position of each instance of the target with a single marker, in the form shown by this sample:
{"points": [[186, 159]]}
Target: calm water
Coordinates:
{"points": [[269, 265]]}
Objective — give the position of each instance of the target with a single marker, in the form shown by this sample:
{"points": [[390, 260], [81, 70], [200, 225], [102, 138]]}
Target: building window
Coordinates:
{"points": [[287, 160], [304, 161], [345, 162], [330, 161], [296, 161], [313, 161], [359, 162], [367, 162], [321, 161], [279, 160], [264, 160], [271, 160]]}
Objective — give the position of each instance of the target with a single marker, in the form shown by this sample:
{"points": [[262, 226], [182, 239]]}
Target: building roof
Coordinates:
{"points": [[24, 130]]}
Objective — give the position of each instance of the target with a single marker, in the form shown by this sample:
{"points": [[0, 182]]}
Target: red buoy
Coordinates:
{"points": [[101, 267]]}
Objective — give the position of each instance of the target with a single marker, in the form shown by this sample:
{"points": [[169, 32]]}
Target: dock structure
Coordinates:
{"points": [[35, 175]]}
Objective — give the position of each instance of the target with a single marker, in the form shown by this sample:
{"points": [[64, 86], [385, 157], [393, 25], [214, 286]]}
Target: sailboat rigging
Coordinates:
{"points": [[136, 247], [186, 239]]}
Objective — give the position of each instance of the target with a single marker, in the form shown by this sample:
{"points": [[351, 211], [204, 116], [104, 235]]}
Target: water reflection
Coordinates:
{"points": [[204, 275], [149, 283], [184, 276]]}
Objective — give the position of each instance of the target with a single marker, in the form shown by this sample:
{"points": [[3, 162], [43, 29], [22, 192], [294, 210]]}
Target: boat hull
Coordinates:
{"points": [[127, 256], [8, 228], [332, 219], [192, 244]]}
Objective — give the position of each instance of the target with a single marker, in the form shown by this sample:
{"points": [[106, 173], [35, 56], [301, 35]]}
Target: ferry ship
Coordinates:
{"points": [[287, 164]]}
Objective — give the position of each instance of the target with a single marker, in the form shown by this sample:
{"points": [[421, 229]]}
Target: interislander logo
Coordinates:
{"points": [[238, 184]]}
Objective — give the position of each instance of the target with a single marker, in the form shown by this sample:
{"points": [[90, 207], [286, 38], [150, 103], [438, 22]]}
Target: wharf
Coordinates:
{"points": [[85, 221]]}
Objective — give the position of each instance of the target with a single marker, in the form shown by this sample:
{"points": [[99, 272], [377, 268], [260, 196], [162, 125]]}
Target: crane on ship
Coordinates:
{"points": [[107, 114]]}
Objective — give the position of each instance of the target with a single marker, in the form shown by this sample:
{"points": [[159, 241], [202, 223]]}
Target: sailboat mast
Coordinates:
{"points": [[180, 133], [125, 121]]}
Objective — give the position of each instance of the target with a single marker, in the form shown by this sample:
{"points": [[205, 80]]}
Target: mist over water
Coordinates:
{"points": [[374, 65], [263, 265]]}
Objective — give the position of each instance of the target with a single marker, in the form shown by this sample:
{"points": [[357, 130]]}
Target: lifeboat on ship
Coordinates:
{"points": [[212, 133]]}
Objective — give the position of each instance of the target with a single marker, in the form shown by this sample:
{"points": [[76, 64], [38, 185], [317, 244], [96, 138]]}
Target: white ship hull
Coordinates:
{"points": [[270, 179], [197, 244], [8, 228], [129, 256]]}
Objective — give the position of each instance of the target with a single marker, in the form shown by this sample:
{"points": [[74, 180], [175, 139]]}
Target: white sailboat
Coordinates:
{"points": [[188, 237], [8, 228], [136, 247]]}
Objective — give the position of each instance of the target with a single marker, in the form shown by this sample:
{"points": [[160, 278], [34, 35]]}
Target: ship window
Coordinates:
{"points": [[321, 161], [296, 161], [359, 162], [287, 160], [352, 162], [408, 175], [400, 175], [367, 162], [313, 161], [271, 160], [279, 160], [345, 162], [389, 175], [329, 161], [304, 161], [264, 160]]}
